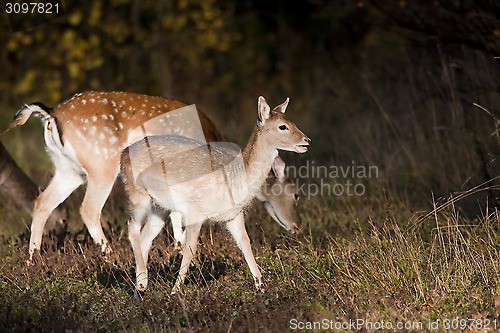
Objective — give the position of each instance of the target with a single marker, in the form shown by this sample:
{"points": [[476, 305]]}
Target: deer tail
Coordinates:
{"points": [[22, 116]]}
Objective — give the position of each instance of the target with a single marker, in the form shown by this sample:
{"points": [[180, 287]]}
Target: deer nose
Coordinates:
{"points": [[296, 230], [306, 139]]}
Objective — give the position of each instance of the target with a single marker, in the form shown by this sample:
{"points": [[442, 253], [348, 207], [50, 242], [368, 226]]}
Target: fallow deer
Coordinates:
{"points": [[280, 197], [15, 182], [186, 177], [84, 137]]}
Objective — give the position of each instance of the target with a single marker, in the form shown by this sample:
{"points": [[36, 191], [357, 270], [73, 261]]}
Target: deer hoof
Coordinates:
{"points": [[141, 286], [259, 285], [31, 260], [142, 282], [175, 290], [106, 250], [178, 246]]}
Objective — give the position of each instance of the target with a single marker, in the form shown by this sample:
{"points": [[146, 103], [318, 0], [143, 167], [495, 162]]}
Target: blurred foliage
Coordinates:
{"points": [[472, 23], [110, 44], [196, 50], [389, 84]]}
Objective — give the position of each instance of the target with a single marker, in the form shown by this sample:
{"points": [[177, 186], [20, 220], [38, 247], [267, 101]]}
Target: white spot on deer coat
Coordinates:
{"points": [[94, 118], [80, 134], [107, 130]]}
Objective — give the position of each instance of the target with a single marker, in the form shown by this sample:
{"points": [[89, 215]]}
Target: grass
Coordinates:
{"points": [[441, 266]]}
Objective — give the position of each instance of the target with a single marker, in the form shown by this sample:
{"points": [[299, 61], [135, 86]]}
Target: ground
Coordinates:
{"points": [[363, 271]]}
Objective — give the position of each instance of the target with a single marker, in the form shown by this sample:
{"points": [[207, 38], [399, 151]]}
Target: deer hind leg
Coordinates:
{"points": [[149, 232], [188, 252], [179, 234], [98, 189], [239, 233], [61, 186]]}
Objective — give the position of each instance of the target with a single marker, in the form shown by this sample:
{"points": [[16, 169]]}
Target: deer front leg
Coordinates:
{"points": [[179, 234], [134, 235], [60, 187], [239, 233], [188, 252], [141, 272]]}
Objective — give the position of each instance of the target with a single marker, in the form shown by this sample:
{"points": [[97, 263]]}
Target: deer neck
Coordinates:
{"points": [[258, 156]]}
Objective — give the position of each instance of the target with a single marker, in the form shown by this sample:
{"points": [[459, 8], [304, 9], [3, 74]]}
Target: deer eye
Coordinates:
{"points": [[296, 196], [283, 127]]}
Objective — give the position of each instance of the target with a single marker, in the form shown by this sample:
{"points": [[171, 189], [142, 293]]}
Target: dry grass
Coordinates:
{"points": [[412, 269]]}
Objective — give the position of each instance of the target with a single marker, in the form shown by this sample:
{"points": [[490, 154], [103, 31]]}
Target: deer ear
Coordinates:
{"points": [[279, 169], [282, 107], [264, 110]]}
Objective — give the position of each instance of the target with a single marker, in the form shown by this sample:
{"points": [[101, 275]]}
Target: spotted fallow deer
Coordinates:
{"points": [[197, 190], [85, 136], [24, 191]]}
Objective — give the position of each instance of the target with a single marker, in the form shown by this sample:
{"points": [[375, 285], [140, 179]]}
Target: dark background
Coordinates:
{"points": [[384, 83]]}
